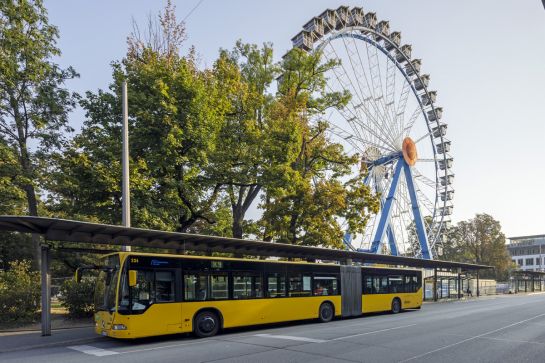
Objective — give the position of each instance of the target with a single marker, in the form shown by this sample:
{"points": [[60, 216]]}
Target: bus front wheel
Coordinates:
{"points": [[326, 312], [206, 324], [396, 306]]}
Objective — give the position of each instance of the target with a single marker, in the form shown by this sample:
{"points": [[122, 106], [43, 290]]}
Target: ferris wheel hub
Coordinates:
{"points": [[409, 151]]}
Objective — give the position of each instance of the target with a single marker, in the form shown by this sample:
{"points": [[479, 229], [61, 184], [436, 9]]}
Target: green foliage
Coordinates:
{"points": [[304, 208], [205, 143], [34, 104], [479, 240], [175, 113], [243, 166], [19, 292], [77, 297]]}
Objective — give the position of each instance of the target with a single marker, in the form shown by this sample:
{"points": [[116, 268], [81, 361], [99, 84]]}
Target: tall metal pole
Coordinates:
{"points": [[126, 216], [46, 291]]}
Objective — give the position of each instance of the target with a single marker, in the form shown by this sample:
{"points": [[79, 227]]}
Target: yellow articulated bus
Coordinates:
{"points": [[143, 294]]}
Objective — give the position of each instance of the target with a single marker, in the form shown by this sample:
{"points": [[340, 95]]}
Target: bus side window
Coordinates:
{"points": [[143, 293], [299, 285], [368, 285], [164, 286], [247, 286], [325, 285], [380, 284], [276, 285], [395, 284], [219, 287], [196, 287]]}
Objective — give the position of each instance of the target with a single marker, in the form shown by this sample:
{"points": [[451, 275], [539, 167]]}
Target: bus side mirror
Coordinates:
{"points": [[132, 278]]}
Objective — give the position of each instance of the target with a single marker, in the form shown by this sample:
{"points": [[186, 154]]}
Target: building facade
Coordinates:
{"points": [[528, 252]]}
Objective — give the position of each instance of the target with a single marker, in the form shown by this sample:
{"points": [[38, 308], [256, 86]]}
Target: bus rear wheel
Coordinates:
{"points": [[326, 312], [206, 324], [396, 306]]}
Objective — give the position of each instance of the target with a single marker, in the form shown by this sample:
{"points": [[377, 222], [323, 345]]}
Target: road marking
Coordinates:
{"points": [[312, 340], [166, 346], [89, 349], [471, 338], [289, 337], [501, 339], [373, 332]]}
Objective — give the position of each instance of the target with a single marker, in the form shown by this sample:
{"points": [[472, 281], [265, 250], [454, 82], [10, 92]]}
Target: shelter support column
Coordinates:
{"points": [[435, 284], [459, 285], [478, 292], [46, 291]]}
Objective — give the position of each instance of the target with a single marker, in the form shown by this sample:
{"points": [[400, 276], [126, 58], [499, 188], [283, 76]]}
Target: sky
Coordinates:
{"points": [[486, 59]]}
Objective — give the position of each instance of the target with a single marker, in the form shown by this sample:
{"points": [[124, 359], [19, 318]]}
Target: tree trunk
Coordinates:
{"points": [[240, 207], [32, 207], [237, 224]]}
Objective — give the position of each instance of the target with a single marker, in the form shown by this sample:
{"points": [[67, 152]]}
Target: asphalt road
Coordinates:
{"points": [[503, 329]]}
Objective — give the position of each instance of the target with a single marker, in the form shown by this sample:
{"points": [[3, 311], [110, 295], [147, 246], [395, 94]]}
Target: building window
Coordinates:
{"points": [[520, 261], [529, 262], [538, 261]]}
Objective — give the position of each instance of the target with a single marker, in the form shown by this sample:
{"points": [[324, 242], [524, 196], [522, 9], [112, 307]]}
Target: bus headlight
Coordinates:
{"points": [[119, 327]]}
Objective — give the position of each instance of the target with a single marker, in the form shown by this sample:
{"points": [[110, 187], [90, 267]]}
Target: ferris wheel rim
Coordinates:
{"points": [[367, 34]]}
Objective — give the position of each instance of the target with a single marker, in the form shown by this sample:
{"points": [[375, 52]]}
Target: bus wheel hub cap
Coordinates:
{"points": [[207, 323]]}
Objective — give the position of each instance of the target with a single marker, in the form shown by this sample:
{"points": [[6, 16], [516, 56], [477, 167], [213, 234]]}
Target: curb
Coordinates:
{"points": [[39, 330], [48, 345]]}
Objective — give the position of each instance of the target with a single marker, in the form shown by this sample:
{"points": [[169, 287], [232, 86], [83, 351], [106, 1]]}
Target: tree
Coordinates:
{"points": [[13, 246], [34, 104], [241, 164], [175, 111], [306, 209], [481, 241]]}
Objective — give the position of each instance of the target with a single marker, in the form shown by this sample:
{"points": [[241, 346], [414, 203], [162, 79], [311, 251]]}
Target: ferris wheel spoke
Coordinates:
{"points": [[423, 137], [354, 107], [390, 97], [376, 81], [379, 114], [362, 133], [424, 179], [368, 86], [402, 104], [362, 101], [350, 138], [414, 116], [352, 120]]}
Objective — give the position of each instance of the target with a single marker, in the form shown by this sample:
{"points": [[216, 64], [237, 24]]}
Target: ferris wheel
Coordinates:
{"points": [[392, 123]]}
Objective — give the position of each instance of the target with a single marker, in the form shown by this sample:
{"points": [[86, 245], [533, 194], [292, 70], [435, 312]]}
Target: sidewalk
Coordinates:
{"points": [[24, 340]]}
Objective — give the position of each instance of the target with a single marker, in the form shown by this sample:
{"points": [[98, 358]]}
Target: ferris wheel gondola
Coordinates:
{"points": [[392, 123]]}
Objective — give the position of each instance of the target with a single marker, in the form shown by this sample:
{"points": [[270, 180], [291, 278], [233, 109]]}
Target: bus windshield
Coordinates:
{"points": [[106, 285]]}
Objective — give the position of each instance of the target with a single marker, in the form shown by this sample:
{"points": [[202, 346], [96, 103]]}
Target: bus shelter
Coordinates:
{"points": [[527, 281], [69, 231]]}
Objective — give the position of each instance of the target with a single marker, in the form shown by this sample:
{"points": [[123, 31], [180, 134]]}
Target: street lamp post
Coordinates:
{"points": [[126, 198]]}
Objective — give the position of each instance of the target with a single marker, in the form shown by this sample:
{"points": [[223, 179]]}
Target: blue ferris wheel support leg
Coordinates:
{"points": [[384, 222], [418, 220], [391, 240]]}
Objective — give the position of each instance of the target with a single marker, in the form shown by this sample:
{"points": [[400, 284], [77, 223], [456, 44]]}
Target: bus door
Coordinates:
{"points": [[351, 290], [154, 295]]}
